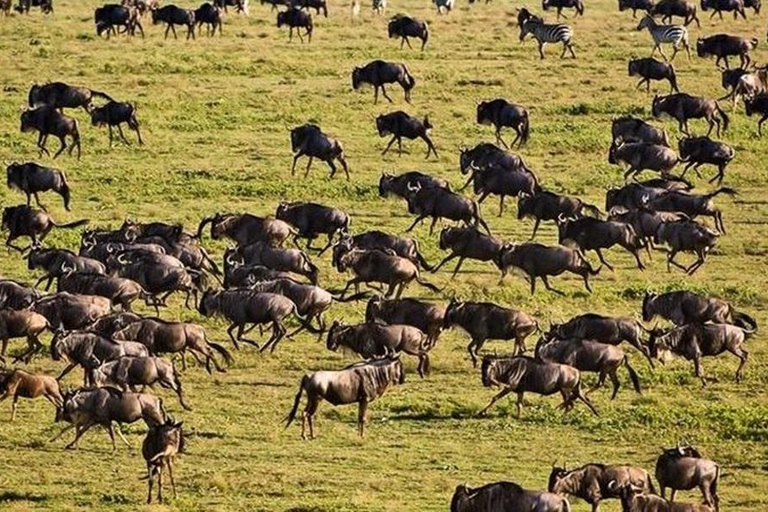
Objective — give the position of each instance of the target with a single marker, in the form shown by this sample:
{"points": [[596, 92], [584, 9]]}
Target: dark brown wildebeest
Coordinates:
{"points": [[540, 261], [20, 384], [309, 140], [274, 258], [297, 19], [36, 224], [169, 233], [22, 324], [172, 15], [686, 236], [588, 356], [697, 151], [636, 5], [718, 6], [487, 321], [682, 107], [5, 7], [115, 114], [692, 205], [404, 247], [501, 113], [238, 275], [596, 482], [245, 229], [633, 499], [85, 408], [649, 69], [210, 16], [32, 178], [119, 290], [578, 5], [66, 311], [48, 121], [632, 129], [468, 243], [378, 73], [754, 5], [158, 278], [502, 182], [46, 6], [758, 105], [109, 17], [15, 295], [361, 382], [159, 449], [312, 219], [83, 348], [635, 195], [403, 26], [694, 341], [520, 374], [370, 340], [317, 5], [640, 156], [59, 95], [487, 156], [589, 234], [506, 496], [723, 45], [241, 6], [683, 468], [427, 317], [399, 124], [744, 84], [108, 325], [398, 185], [684, 307], [682, 8], [441, 203], [545, 205]]}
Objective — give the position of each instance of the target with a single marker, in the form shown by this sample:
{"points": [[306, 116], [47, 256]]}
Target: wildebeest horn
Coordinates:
{"points": [[66, 269], [561, 218], [121, 259], [611, 485]]}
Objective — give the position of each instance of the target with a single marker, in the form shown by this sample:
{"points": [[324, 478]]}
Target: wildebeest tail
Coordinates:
{"points": [[408, 81], [221, 350], [427, 284], [426, 32], [525, 129], [353, 297], [292, 415], [75, 224], [754, 42], [722, 190], [580, 8], [713, 487], [632, 375], [64, 190], [744, 321], [673, 83], [723, 116]]}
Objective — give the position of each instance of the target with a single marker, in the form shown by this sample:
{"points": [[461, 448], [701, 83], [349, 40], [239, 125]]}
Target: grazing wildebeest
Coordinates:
{"points": [[439, 203], [173, 15], [59, 95], [119, 290], [427, 317], [540, 261], [404, 247], [360, 382], [723, 45], [210, 16], [399, 124], [682, 107], [694, 341], [636, 5], [317, 5], [398, 185], [545, 205], [309, 140], [684, 307], [298, 19], [683, 468], [312, 220], [632, 129], [467, 243], [686, 236], [758, 105], [378, 73], [20, 384], [578, 5], [640, 156], [114, 114], [649, 69], [403, 26], [692, 205], [697, 151], [505, 496], [596, 482], [501, 113], [159, 449], [48, 121], [15, 295], [36, 224], [682, 8], [32, 178], [84, 348], [520, 374], [85, 408], [371, 340], [487, 321], [589, 234], [633, 499], [284, 260], [109, 16], [22, 323], [245, 229], [588, 356], [718, 6]]}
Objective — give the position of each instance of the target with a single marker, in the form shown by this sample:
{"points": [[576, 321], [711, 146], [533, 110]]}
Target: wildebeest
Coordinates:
{"points": [[744, 84], [578, 5], [596, 482], [636, 5], [36, 224], [312, 219], [378, 73], [32, 178], [245, 229], [66, 311], [239, 275], [692, 205], [85, 408], [501, 113], [685, 307], [5, 7], [682, 8], [404, 247], [59, 95], [633, 499], [632, 129], [729, 79], [754, 5], [467, 243], [444, 6], [718, 6], [398, 185], [158, 275], [686, 236], [487, 321], [298, 19], [635, 195], [439, 203], [115, 114], [403, 26], [107, 326], [173, 15], [640, 156], [15, 295], [520, 374], [110, 16], [697, 151], [723, 45], [399, 124], [85, 349], [682, 107], [371, 340], [317, 5], [47, 121], [360, 382], [540, 261], [489, 156], [694, 341], [502, 182], [758, 105], [22, 324], [20, 384], [427, 317], [545, 205], [309, 140], [649, 69], [683, 468], [590, 234], [239, 5], [210, 16], [505, 496], [284, 260], [159, 449], [119, 290]]}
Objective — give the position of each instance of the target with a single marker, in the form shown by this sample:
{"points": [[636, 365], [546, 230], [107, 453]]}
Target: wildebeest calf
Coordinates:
{"points": [[309, 140], [399, 125], [20, 384], [115, 114], [697, 151], [649, 69], [501, 113], [48, 121], [686, 236], [159, 449]]}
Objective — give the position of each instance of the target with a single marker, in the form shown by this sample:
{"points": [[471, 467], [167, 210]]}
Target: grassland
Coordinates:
{"points": [[215, 114]]}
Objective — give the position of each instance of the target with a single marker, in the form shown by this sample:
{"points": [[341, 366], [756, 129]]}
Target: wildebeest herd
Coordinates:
{"points": [[263, 282]]}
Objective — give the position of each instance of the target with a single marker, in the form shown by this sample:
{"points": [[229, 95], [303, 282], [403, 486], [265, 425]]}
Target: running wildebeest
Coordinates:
{"points": [[298, 19], [15, 295], [239, 275], [649, 69], [158, 278], [724, 45], [682, 107], [48, 121], [404, 247], [589, 234], [399, 124], [20, 384], [545, 205], [84, 349], [36, 224], [22, 323], [754, 5], [686, 236], [633, 499], [439, 203], [59, 95], [107, 326], [596, 482], [378, 73], [636, 195], [684, 307], [283, 260], [502, 182], [119, 290], [697, 151], [159, 449], [520, 374], [403, 26], [487, 321], [645, 222], [115, 114], [398, 185], [172, 15], [467, 243], [578, 5], [309, 140], [487, 156], [744, 84], [32, 178], [718, 6], [636, 5], [682, 8], [428, 318], [758, 105], [245, 229], [729, 78], [540, 261], [505, 496], [361, 382], [692, 205], [501, 113], [632, 129], [683, 468], [110, 16], [640, 156], [312, 220], [210, 16]]}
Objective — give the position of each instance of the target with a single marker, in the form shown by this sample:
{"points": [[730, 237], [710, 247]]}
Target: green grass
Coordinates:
{"points": [[215, 115]]}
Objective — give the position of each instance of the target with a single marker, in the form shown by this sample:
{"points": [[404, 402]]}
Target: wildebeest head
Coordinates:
{"points": [[681, 450], [155, 16], [447, 237], [648, 312], [34, 95], [701, 46], [27, 121], [632, 67], [382, 126], [489, 370], [384, 184], [334, 332], [557, 474], [207, 305], [282, 18], [657, 106], [357, 78], [525, 204], [612, 152], [483, 114], [341, 249], [452, 312]]}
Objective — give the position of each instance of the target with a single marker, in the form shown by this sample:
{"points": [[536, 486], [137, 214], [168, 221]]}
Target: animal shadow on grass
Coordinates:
{"points": [[21, 496]]}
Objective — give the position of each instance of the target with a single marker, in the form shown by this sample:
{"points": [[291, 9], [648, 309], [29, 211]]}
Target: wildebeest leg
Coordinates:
{"points": [[309, 164], [66, 370], [111, 431], [309, 413], [760, 124], [671, 261], [445, 260], [535, 228], [499, 139], [230, 330], [578, 394], [519, 404], [615, 381], [501, 394], [720, 174], [598, 384], [63, 142], [742, 354], [79, 431], [432, 225], [641, 82], [548, 287], [122, 135], [399, 146], [375, 94], [9, 243], [389, 145], [362, 407], [63, 431], [699, 373], [458, 266], [501, 205], [41, 143], [384, 92], [541, 50], [471, 352], [278, 332]]}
